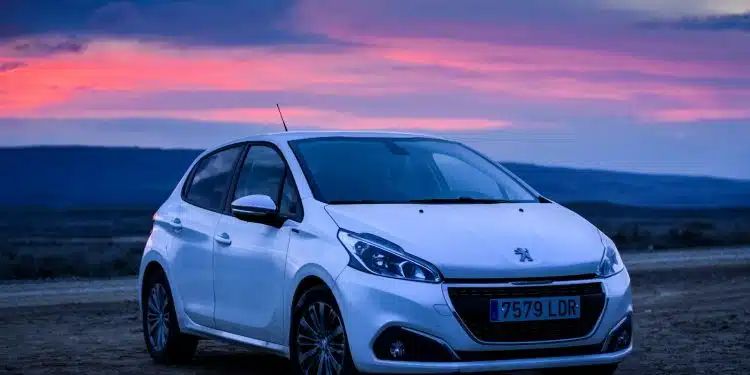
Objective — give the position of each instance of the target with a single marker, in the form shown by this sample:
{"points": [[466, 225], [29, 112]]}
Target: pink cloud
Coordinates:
{"points": [[486, 57], [307, 117], [697, 114], [382, 66], [138, 67]]}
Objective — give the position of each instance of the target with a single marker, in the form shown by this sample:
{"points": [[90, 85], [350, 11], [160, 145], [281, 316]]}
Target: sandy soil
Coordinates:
{"points": [[689, 321]]}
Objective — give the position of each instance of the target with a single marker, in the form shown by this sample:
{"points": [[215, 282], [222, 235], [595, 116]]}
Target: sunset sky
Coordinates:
{"points": [[641, 85]]}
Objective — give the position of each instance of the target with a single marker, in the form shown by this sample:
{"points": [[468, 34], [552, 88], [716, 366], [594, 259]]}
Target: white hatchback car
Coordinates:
{"points": [[379, 252]]}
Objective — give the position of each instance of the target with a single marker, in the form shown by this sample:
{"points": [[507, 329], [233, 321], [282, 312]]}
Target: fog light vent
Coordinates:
{"points": [[402, 344], [620, 337], [623, 340]]}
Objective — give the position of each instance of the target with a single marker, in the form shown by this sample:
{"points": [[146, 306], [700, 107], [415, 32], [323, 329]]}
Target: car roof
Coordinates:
{"points": [[295, 135]]}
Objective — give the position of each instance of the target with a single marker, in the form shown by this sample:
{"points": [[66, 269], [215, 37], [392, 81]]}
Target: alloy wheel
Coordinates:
{"points": [[321, 341], [157, 317]]}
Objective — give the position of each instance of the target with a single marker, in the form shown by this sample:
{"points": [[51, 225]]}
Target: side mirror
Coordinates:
{"points": [[253, 206]]}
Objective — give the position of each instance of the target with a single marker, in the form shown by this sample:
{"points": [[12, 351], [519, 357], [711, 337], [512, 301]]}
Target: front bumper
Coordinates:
{"points": [[371, 304]]}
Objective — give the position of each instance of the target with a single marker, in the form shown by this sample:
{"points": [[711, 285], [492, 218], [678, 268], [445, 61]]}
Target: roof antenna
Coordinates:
{"points": [[282, 117]]}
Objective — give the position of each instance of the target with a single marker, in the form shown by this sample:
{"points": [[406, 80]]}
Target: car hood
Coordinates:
{"points": [[479, 241]]}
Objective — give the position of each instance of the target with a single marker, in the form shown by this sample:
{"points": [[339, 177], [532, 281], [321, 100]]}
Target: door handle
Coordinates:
{"points": [[176, 224], [223, 239]]}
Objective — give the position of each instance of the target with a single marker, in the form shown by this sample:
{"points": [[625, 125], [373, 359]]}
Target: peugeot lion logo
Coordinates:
{"points": [[524, 253]]}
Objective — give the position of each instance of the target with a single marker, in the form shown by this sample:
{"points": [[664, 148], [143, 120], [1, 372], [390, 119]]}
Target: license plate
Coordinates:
{"points": [[527, 309]]}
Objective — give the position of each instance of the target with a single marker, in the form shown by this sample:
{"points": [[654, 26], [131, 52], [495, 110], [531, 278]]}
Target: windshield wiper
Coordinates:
{"points": [[458, 200], [467, 200], [360, 201]]}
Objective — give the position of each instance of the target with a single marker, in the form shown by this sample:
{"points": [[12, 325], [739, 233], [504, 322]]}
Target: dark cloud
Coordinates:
{"points": [[8, 66], [726, 22], [188, 22], [47, 46], [494, 12]]}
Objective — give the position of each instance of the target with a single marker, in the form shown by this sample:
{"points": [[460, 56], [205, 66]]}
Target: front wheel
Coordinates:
{"points": [[319, 345], [584, 370], [164, 341]]}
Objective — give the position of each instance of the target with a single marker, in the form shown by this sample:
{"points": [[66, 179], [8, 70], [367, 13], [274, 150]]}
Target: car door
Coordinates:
{"points": [[251, 260], [193, 225]]}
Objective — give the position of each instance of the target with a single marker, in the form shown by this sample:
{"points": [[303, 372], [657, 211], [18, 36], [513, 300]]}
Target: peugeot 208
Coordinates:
{"points": [[379, 252]]}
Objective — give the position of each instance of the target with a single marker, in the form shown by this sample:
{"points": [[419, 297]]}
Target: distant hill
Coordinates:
{"points": [[633, 189], [104, 176], [90, 176]]}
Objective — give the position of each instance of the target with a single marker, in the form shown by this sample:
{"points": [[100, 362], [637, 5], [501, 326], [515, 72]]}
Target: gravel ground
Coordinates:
{"points": [[688, 321]]}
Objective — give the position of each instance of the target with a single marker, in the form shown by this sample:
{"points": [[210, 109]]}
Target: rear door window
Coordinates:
{"points": [[211, 179]]}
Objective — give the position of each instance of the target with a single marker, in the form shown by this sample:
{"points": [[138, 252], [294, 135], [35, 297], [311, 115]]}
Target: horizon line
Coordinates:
{"points": [[503, 162]]}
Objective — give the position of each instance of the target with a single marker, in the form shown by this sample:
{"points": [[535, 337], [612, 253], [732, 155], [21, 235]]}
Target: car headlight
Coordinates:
{"points": [[377, 256], [611, 263]]}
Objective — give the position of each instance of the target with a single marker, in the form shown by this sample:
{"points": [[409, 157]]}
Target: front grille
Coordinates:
{"points": [[472, 304], [539, 280]]}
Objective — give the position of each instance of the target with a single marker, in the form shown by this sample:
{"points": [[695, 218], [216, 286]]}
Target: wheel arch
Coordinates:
{"points": [[319, 286], [307, 279], [153, 261], [306, 284], [149, 269]]}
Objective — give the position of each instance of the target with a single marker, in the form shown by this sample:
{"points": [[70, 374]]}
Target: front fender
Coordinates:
{"points": [[303, 272]]}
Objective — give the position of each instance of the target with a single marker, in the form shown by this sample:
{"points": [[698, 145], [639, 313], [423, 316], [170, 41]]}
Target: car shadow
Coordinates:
{"points": [[239, 361]]}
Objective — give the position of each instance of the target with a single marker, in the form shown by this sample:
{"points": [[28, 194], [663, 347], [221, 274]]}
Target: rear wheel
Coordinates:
{"points": [[583, 370], [318, 343], [161, 332]]}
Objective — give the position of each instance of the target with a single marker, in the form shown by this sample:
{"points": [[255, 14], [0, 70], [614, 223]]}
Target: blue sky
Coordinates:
{"points": [[657, 86]]}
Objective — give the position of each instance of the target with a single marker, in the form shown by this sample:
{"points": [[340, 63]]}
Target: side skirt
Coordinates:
{"points": [[213, 334]]}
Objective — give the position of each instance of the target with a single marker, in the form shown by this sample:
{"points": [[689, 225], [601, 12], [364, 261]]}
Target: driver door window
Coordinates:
{"points": [[264, 172]]}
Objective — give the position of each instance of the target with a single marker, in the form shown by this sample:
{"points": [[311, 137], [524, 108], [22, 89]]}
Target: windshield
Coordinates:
{"points": [[344, 170]]}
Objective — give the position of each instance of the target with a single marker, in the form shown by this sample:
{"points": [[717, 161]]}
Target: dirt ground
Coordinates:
{"points": [[689, 321]]}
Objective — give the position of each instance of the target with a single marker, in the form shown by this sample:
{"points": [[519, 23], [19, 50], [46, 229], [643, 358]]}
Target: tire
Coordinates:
{"points": [[583, 370], [158, 307], [306, 339]]}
